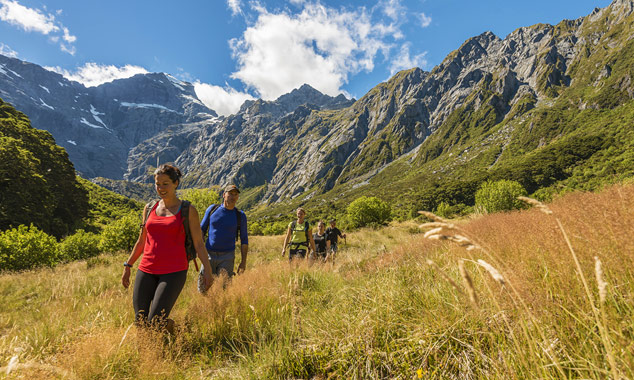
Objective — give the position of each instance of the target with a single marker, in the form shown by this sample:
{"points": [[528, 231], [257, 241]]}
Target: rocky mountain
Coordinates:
{"points": [[484, 82], [99, 125], [492, 101]]}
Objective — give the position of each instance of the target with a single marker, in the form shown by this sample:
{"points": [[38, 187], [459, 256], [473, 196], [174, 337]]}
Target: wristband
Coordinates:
{"points": [[126, 264]]}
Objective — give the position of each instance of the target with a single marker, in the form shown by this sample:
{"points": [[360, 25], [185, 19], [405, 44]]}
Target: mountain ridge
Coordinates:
{"points": [[305, 144]]}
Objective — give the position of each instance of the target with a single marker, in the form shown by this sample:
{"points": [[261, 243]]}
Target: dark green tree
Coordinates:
{"points": [[37, 180]]}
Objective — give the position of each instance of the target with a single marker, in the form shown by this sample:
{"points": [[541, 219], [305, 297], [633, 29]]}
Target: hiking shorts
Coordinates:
{"points": [[333, 247], [297, 253], [321, 255], [220, 262]]}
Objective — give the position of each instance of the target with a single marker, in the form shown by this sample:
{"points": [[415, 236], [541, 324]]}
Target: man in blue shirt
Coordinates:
{"points": [[221, 222]]}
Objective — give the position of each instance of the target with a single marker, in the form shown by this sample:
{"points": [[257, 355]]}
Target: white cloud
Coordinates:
{"points": [[425, 20], [404, 61], [7, 51], [93, 74], [67, 36], [31, 20], [35, 20], [183, 75], [320, 46], [393, 9], [225, 101], [235, 6]]}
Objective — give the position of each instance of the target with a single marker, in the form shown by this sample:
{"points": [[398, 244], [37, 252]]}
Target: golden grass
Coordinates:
{"points": [[393, 305]]}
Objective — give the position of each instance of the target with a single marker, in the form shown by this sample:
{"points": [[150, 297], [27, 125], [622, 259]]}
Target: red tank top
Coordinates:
{"points": [[164, 250]]}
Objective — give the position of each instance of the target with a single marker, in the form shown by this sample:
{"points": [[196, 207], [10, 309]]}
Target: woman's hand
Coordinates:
{"points": [[125, 279], [208, 280]]}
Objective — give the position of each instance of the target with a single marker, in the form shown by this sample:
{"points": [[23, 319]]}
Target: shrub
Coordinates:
{"points": [[200, 198], [80, 245], [545, 194], [26, 248], [255, 228], [444, 209], [120, 234], [368, 211], [500, 196], [275, 228]]}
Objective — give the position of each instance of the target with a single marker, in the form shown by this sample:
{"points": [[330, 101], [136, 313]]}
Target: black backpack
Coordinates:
{"points": [[306, 227], [238, 217], [190, 249]]}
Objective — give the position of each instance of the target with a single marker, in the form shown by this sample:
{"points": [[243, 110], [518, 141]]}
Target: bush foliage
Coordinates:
{"points": [[500, 196], [80, 245], [368, 211], [201, 199], [26, 248], [121, 234]]}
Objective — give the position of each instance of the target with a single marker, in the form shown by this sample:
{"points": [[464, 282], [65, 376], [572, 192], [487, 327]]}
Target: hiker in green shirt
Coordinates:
{"points": [[298, 237]]}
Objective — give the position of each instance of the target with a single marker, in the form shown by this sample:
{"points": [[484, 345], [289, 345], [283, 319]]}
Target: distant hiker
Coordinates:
{"points": [[334, 234], [298, 237], [162, 272], [322, 244], [224, 224]]}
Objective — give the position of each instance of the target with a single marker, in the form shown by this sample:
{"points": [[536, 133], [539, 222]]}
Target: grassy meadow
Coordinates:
{"points": [[394, 305]]}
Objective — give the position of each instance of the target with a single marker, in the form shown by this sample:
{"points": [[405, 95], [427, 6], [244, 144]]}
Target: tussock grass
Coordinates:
{"points": [[393, 305]]}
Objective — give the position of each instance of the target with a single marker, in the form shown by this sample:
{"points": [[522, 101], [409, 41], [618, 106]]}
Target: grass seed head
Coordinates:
{"points": [[539, 205], [468, 283], [601, 284], [433, 216], [492, 271]]}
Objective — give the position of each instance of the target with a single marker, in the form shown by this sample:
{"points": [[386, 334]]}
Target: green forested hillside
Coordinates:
{"points": [[37, 180], [106, 206], [38, 184]]}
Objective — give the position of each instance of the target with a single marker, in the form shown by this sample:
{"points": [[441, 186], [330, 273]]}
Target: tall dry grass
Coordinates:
{"points": [[380, 311]]}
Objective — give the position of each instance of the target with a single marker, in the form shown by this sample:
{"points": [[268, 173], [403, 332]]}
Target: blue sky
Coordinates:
{"points": [[234, 50]]}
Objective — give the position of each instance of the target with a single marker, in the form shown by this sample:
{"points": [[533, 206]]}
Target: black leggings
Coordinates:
{"points": [[156, 293]]}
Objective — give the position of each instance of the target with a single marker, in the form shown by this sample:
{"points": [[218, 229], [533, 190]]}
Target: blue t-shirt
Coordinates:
{"points": [[222, 226]]}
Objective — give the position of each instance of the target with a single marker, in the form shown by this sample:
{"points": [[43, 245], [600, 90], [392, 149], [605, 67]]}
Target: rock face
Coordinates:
{"points": [[305, 140], [98, 126]]}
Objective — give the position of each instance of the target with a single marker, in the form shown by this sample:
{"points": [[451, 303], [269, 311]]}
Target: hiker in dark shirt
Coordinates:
{"points": [[322, 244], [333, 234]]}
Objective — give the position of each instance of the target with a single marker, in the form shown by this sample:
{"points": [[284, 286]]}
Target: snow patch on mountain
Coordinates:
{"points": [[145, 105], [84, 121], [95, 115], [45, 105], [177, 83]]}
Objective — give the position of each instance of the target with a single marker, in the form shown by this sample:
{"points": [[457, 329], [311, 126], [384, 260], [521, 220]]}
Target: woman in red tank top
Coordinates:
{"points": [[163, 269]]}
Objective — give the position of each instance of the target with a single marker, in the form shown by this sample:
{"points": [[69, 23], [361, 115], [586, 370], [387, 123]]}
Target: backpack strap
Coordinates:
{"points": [[148, 208], [239, 219], [306, 227], [214, 208], [185, 214], [188, 234]]}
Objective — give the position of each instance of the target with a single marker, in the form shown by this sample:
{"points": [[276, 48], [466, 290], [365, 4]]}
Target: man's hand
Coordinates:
{"points": [[242, 267], [283, 252]]}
